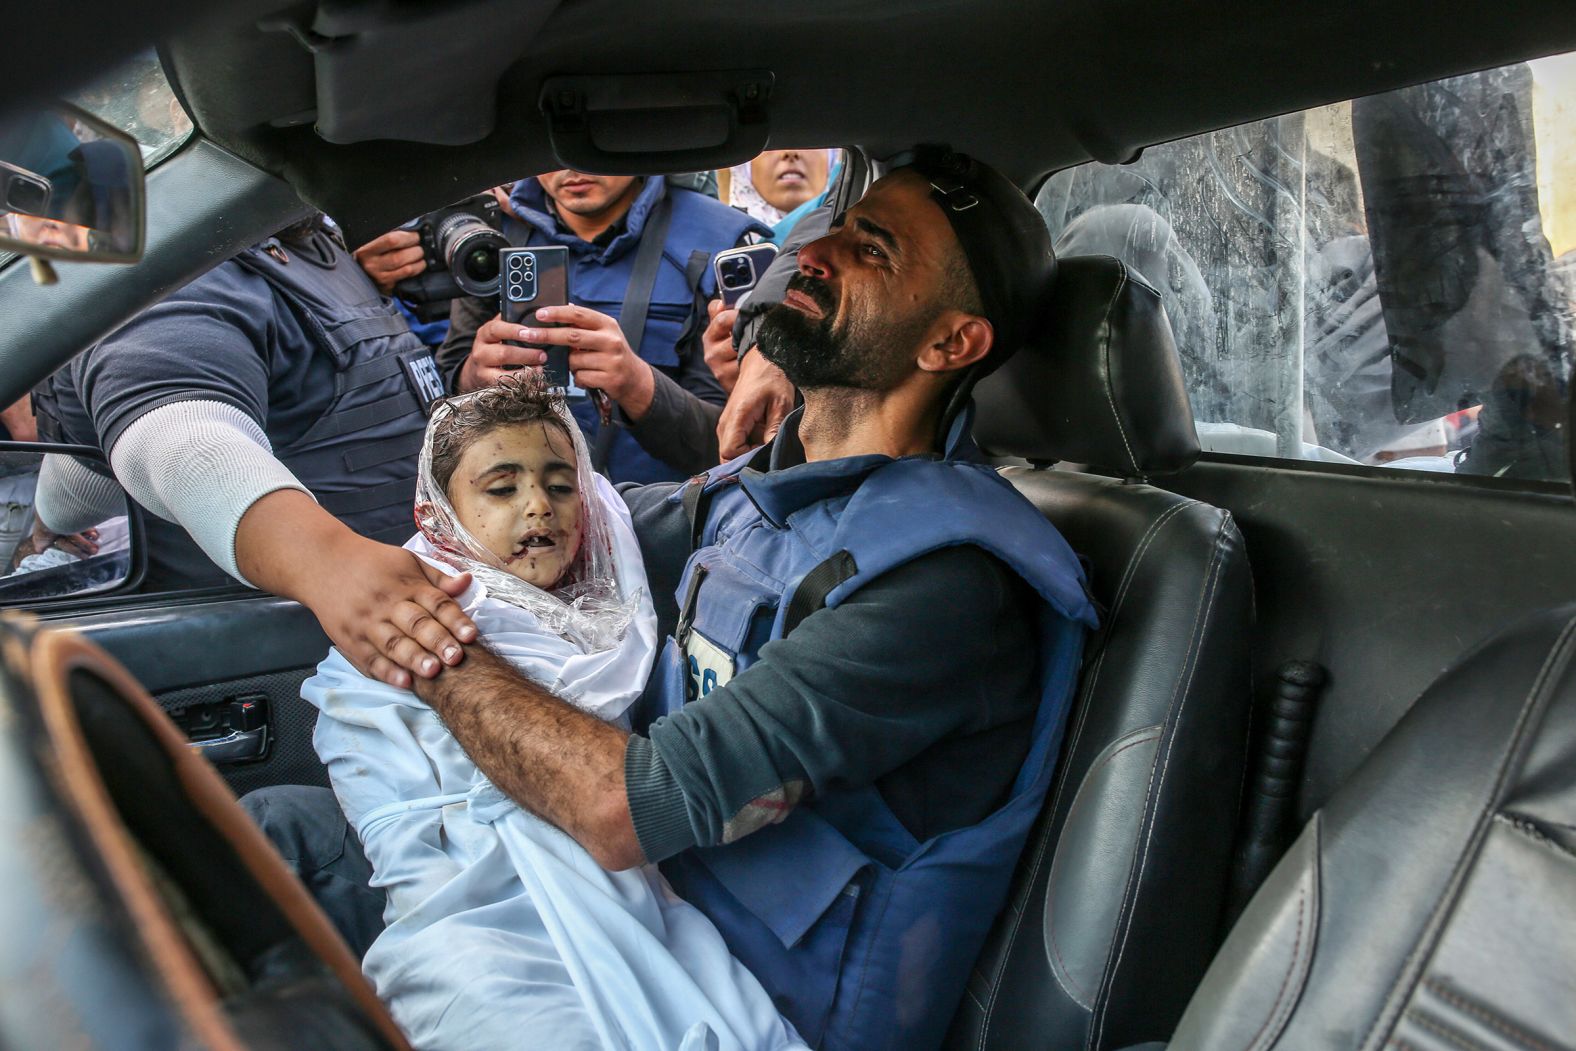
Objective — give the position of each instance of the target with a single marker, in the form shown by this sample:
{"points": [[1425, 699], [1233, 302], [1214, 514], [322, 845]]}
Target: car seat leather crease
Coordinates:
{"points": [[1116, 906]]}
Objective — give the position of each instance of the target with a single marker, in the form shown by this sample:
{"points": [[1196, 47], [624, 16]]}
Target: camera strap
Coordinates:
{"points": [[637, 304]]}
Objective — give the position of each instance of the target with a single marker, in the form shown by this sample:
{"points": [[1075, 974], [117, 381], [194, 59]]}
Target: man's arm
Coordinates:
{"points": [[556, 761], [848, 700], [852, 695], [467, 314]]}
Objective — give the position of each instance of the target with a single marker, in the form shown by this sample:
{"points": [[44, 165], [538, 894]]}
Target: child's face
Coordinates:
{"points": [[517, 490]]}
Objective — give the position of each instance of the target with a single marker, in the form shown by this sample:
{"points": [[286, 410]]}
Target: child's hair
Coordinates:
{"points": [[524, 398]]}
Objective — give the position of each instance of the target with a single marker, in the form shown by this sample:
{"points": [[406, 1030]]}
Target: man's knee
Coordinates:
{"points": [[309, 830], [305, 824]]}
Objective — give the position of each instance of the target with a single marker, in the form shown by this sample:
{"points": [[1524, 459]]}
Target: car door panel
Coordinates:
{"points": [[1385, 579], [210, 662]]}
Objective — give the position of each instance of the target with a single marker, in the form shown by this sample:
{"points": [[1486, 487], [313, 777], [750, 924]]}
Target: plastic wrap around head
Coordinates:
{"points": [[585, 605]]}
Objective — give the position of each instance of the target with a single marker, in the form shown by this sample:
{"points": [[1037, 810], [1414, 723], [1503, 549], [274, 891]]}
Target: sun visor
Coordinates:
{"points": [[365, 58], [635, 125]]}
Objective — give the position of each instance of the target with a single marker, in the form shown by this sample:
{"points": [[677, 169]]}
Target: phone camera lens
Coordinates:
{"points": [[736, 273]]}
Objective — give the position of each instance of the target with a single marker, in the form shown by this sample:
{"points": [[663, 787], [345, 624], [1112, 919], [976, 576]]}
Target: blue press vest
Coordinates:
{"points": [[863, 935], [700, 227]]}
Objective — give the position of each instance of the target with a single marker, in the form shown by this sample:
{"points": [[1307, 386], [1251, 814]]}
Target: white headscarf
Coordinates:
{"points": [[590, 606], [743, 194]]}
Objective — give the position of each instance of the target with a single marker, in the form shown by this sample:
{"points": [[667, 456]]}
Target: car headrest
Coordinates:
{"points": [[1099, 384]]}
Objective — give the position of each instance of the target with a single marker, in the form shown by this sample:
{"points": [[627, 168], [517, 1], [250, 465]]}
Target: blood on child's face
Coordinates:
{"points": [[517, 490]]}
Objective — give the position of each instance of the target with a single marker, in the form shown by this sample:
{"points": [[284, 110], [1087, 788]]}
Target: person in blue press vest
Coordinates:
{"points": [[665, 399], [874, 643]]}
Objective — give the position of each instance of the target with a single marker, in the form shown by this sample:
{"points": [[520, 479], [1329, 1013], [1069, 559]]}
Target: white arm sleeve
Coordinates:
{"points": [[202, 465], [73, 497]]}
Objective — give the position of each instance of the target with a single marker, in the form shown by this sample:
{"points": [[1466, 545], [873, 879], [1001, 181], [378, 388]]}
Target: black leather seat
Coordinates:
{"points": [[1116, 910], [1431, 904]]}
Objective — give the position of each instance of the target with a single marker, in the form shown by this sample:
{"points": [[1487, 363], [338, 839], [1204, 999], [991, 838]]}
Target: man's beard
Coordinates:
{"points": [[818, 353]]}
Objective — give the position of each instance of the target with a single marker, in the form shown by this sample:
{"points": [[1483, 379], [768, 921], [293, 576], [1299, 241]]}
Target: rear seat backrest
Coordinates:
{"points": [[1114, 913]]}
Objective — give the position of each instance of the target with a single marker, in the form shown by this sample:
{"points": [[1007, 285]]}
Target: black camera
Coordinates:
{"points": [[461, 245]]}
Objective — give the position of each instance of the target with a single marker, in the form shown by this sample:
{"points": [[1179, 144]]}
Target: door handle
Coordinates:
{"points": [[234, 747], [233, 730]]}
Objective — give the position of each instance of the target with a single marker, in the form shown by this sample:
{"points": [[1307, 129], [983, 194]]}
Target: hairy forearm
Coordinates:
{"points": [[554, 760]]}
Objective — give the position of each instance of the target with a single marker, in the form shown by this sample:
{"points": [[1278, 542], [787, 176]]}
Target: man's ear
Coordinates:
{"points": [[957, 341]]}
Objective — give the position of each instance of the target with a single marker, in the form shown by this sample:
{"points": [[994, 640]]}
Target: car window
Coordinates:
{"points": [[1387, 281], [136, 98]]}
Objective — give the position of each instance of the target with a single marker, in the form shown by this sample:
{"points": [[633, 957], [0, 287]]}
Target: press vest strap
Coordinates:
{"points": [[696, 500], [695, 270], [381, 411], [643, 274], [637, 304], [373, 326], [374, 453], [358, 500], [811, 593], [370, 372]]}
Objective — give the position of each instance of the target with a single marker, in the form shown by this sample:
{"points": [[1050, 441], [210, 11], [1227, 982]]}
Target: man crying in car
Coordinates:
{"points": [[872, 644]]}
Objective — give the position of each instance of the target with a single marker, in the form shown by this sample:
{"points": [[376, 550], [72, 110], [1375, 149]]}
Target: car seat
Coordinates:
{"points": [[1116, 908], [1430, 905], [142, 907]]}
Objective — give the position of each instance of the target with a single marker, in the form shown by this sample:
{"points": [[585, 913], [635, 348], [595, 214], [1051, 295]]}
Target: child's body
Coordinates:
{"points": [[502, 931]]}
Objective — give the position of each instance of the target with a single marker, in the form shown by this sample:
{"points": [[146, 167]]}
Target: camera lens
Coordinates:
{"points": [[737, 272], [481, 264], [470, 250]]}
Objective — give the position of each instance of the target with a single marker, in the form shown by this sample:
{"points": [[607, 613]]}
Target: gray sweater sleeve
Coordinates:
{"points": [[853, 695]]}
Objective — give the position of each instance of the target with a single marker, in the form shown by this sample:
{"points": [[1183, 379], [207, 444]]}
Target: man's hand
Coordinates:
{"points": [[386, 610], [491, 358], [392, 258], [599, 356], [760, 401], [81, 545], [553, 759], [717, 342]]}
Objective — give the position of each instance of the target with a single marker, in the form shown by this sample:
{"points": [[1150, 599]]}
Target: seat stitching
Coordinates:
{"points": [[1499, 1023], [1291, 969], [1528, 829], [1557, 657], [1129, 574], [1105, 358], [1178, 701], [970, 994], [1446, 1033], [1051, 880]]}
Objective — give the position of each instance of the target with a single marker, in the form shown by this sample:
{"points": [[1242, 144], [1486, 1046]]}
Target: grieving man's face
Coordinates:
{"points": [[587, 195], [517, 490], [856, 313]]}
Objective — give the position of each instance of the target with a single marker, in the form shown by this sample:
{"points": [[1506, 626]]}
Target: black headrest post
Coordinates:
{"points": [[1098, 383]]}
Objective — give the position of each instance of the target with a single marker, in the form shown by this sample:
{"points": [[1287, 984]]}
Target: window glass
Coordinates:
{"points": [[1388, 281], [136, 98]]}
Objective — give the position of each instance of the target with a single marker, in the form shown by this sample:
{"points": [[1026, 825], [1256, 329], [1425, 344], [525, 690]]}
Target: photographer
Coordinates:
{"points": [[398, 260], [666, 401]]}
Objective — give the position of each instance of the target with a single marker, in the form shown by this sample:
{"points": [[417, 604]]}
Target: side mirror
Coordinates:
{"points": [[35, 564], [71, 187]]}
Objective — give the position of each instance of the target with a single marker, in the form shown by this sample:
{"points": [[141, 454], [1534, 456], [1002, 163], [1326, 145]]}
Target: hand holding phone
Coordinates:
{"points": [[534, 278], [740, 269]]}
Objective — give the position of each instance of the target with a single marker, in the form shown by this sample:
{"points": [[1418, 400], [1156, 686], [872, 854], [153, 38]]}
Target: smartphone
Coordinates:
{"points": [[738, 270], [533, 278]]}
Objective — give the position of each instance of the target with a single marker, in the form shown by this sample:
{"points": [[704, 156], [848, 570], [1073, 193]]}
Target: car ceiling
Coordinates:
{"points": [[1033, 87]]}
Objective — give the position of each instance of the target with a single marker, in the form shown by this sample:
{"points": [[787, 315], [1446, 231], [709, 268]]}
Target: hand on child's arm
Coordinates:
{"points": [[391, 614]]}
